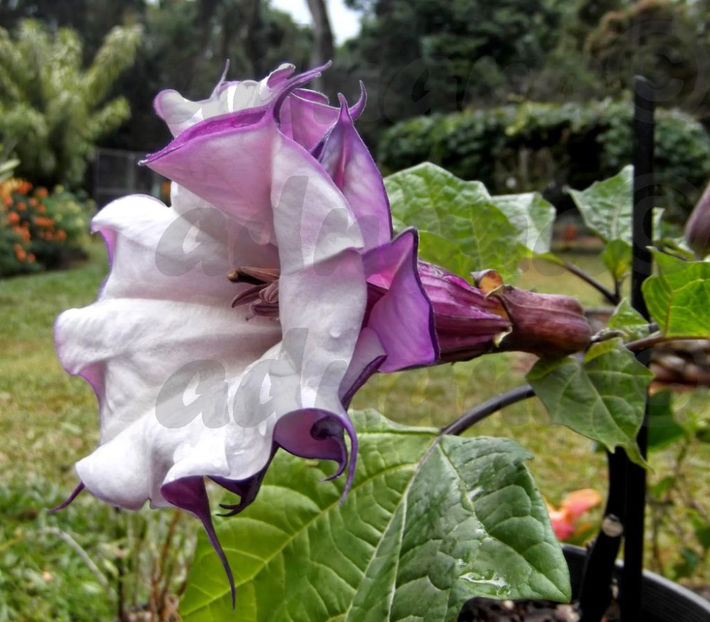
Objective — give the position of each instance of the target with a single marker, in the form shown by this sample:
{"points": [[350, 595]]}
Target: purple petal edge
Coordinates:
{"points": [[393, 267], [190, 494], [365, 374], [318, 434], [247, 489], [69, 499]]}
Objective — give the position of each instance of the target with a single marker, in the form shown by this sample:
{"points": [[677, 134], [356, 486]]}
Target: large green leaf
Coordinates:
{"points": [[430, 522], [603, 396], [463, 217], [678, 297], [606, 206], [531, 215]]}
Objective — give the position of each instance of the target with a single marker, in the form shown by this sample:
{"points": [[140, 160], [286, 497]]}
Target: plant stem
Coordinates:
{"points": [[77, 548], [488, 407], [611, 296], [652, 340]]}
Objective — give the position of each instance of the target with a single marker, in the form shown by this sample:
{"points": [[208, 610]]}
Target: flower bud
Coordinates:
{"points": [[544, 324], [697, 229]]}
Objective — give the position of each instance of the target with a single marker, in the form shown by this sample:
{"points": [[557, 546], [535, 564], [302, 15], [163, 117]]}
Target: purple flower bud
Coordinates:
{"points": [[697, 229], [544, 324]]}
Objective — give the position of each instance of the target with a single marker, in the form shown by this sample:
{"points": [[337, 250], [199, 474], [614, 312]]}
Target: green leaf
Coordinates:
{"points": [[678, 297], [445, 253], [430, 522], [531, 215], [617, 258], [662, 427], [628, 321], [606, 206], [463, 216], [602, 397]]}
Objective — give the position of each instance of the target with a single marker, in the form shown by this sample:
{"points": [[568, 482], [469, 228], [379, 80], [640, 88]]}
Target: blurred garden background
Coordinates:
{"points": [[520, 94]]}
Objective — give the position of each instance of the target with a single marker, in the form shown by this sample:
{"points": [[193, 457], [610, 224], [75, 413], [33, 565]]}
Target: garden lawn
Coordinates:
{"points": [[89, 561]]}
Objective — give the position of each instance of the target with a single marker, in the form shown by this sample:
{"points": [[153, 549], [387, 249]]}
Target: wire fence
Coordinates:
{"points": [[116, 173]]}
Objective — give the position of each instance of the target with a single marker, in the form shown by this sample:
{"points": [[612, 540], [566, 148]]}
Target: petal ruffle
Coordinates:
{"points": [[349, 163], [180, 113]]}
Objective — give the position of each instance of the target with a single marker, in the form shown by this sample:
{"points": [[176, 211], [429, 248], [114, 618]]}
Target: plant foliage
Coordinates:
{"points": [[53, 110], [430, 522]]}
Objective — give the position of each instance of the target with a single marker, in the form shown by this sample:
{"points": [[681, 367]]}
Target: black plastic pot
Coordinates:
{"points": [[662, 600]]}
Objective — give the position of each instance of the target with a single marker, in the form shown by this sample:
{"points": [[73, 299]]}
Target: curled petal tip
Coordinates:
{"points": [[222, 78], [359, 106], [69, 499], [190, 494]]}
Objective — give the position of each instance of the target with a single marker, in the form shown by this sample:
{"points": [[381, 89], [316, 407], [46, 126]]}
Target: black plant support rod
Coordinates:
{"points": [[624, 512], [642, 223]]}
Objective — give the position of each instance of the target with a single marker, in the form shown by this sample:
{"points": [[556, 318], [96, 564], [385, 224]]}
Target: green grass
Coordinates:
{"points": [[48, 421]]}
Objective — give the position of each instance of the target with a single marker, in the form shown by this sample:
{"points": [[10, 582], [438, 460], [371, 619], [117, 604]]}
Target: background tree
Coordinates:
{"points": [[655, 38], [323, 46], [185, 47], [52, 110], [420, 56]]}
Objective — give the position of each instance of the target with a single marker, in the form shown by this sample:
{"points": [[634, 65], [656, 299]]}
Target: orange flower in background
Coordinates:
{"points": [[41, 209], [13, 218], [42, 193], [7, 200], [20, 252], [43, 221], [574, 505], [24, 187], [21, 206], [61, 235], [33, 202]]}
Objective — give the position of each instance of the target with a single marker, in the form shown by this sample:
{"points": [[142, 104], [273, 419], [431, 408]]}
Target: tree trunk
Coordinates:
{"points": [[323, 48]]}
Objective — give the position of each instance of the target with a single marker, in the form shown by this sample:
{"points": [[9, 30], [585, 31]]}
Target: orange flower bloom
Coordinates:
{"points": [[21, 206], [43, 221], [42, 193], [61, 235], [41, 209], [573, 506], [7, 200], [33, 202], [20, 253], [13, 217]]}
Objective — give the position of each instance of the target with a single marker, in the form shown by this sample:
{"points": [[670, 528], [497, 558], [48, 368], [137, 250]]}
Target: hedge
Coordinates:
{"points": [[547, 147]]}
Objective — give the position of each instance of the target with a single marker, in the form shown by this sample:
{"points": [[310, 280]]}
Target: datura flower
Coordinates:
{"points": [[243, 318], [237, 321]]}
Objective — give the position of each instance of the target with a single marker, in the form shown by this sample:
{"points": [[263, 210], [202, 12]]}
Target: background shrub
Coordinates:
{"points": [[547, 147], [39, 230]]}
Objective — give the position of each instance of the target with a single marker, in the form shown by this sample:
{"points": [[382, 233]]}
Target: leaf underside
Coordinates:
{"points": [[602, 397], [464, 228]]}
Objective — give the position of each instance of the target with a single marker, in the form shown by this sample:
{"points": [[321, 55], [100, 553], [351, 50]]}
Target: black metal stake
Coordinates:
{"points": [[625, 508], [642, 223]]}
